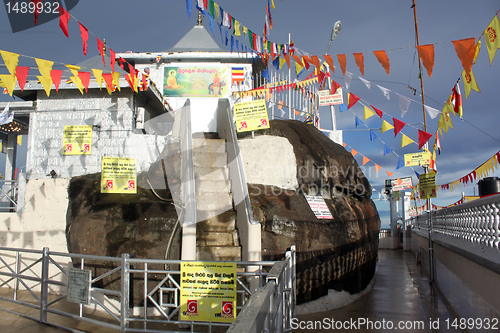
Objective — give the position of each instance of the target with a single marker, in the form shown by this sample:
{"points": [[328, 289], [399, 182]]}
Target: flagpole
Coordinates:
{"points": [[426, 147], [289, 82]]}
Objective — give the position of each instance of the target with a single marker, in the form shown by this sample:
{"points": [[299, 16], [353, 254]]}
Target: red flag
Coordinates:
{"points": [[22, 76], [360, 61], [383, 59], [63, 20], [398, 126], [342, 62], [379, 112], [108, 78], [100, 47], [112, 55], [121, 62], [55, 75], [423, 137], [426, 53], [36, 12], [85, 37], [335, 86], [466, 48], [85, 77], [353, 99]]}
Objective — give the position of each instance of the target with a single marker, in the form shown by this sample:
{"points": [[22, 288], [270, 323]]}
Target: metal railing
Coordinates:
{"points": [[475, 221], [8, 195], [38, 280]]}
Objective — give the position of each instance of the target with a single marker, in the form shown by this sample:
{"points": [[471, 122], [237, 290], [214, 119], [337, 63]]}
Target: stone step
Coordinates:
{"points": [[205, 159], [209, 173], [209, 145], [214, 201], [218, 253], [212, 186], [211, 221], [204, 238]]}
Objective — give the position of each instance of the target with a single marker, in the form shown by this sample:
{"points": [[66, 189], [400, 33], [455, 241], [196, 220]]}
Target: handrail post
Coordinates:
{"points": [[44, 285], [125, 287]]}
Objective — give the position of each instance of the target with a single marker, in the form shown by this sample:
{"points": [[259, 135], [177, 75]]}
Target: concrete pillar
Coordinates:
{"points": [[393, 205], [10, 167], [188, 251]]}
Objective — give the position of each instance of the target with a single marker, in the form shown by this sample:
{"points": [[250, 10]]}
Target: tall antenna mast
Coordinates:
{"points": [[420, 70]]}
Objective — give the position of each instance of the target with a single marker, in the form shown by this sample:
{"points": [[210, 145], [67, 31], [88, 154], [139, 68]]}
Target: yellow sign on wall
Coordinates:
{"points": [[416, 159], [77, 140], [208, 291], [251, 116], [118, 175]]}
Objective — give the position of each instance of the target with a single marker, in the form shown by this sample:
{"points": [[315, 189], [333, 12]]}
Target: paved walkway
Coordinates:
{"points": [[401, 296]]}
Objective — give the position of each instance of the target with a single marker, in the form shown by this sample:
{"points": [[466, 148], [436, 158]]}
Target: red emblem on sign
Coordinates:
{"points": [[69, 147], [227, 308], [86, 147], [192, 306], [109, 183], [263, 122], [244, 124], [131, 184]]}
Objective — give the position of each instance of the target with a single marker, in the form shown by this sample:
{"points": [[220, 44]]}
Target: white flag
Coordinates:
{"points": [[366, 82], [432, 112], [347, 79], [385, 91], [6, 116], [404, 104]]}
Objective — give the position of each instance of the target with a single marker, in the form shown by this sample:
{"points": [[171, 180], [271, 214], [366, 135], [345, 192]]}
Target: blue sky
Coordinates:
{"points": [[367, 26]]}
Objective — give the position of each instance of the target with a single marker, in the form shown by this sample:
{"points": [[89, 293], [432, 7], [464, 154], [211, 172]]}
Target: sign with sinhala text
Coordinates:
{"points": [[77, 140], [318, 206], [208, 291], [416, 159], [195, 81], [251, 116], [327, 98], [427, 185], [401, 184], [118, 175]]}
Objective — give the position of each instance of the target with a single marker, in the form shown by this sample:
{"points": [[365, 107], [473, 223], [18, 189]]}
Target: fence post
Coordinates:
{"points": [[125, 288], [43, 285]]}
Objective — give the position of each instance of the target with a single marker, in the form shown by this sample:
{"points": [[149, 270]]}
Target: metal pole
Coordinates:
{"points": [[125, 287], [289, 82], [44, 285]]}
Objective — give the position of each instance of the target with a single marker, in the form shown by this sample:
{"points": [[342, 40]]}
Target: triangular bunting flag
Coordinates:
{"points": [[351, 100], [56, 75], [379, 112], [386, 126], [108, 79], [11, 60], [63, 20], [329, 61], [22, 76], [405, 141], [358, 121], [347, 79], [353, 152], [492, 37], [426, 53], [385, 91], [377, 167], [360, 61], [100, 47], [433, 113], [469, 83], [456, 99], [8, 82], [423, 137], [404, 104], [401, 163], [342, 107], [398, 126], [368, 113], [78, 83], [389, 173], [98, 76], [383, 59], [46, 82], [85, 37], [44, 66], [342, 62], [365, 160], [465, 49], [387, 150], [366, 82], [85, 77], [373, 136]]}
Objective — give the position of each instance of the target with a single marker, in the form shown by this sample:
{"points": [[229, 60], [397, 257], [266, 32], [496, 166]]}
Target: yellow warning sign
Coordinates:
{"points": [[118, 175], [251, 116], [77, 140], [208, 291]]}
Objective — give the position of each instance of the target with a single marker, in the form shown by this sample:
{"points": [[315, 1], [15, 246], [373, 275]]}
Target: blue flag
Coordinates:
{"points": [[276, 63], [387, 150], [232, 43], [358, 121], [342, 107], [189, 6], [265, 74], [373, 136], [401, 163], [211, 24]]}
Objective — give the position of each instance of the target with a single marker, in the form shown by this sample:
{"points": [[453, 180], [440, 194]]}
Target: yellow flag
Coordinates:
{"points": [[298, 68], [272, 4], [116, 80], [492, 37], [44, 66], [469, 83], [448, 108], [74, 69], [237, 28], [476, 52], [386, 126], [9, 82], [245, 30], [78, 83], [46, 82], [10, 59], [282, 62], [98, 76], [368, 113], [405, 141], [20, 140], [217, 11]]}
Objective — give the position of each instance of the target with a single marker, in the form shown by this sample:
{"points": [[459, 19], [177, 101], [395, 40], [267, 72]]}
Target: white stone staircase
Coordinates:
{"points": [[216, 234]]}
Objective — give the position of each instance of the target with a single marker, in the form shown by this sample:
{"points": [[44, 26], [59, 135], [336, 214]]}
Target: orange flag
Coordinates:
{"points": [[287, 58], [389, 173], [426, 53], [360, 61], [344, 144], [280, 104], [353, 152], [377, 167], [342, 62], [315, 62], [329, 61], [365, 160], [298, 60], [465, 49], [383, 59]]}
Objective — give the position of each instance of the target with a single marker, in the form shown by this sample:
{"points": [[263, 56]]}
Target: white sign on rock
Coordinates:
{"points": [[319, 207]]}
